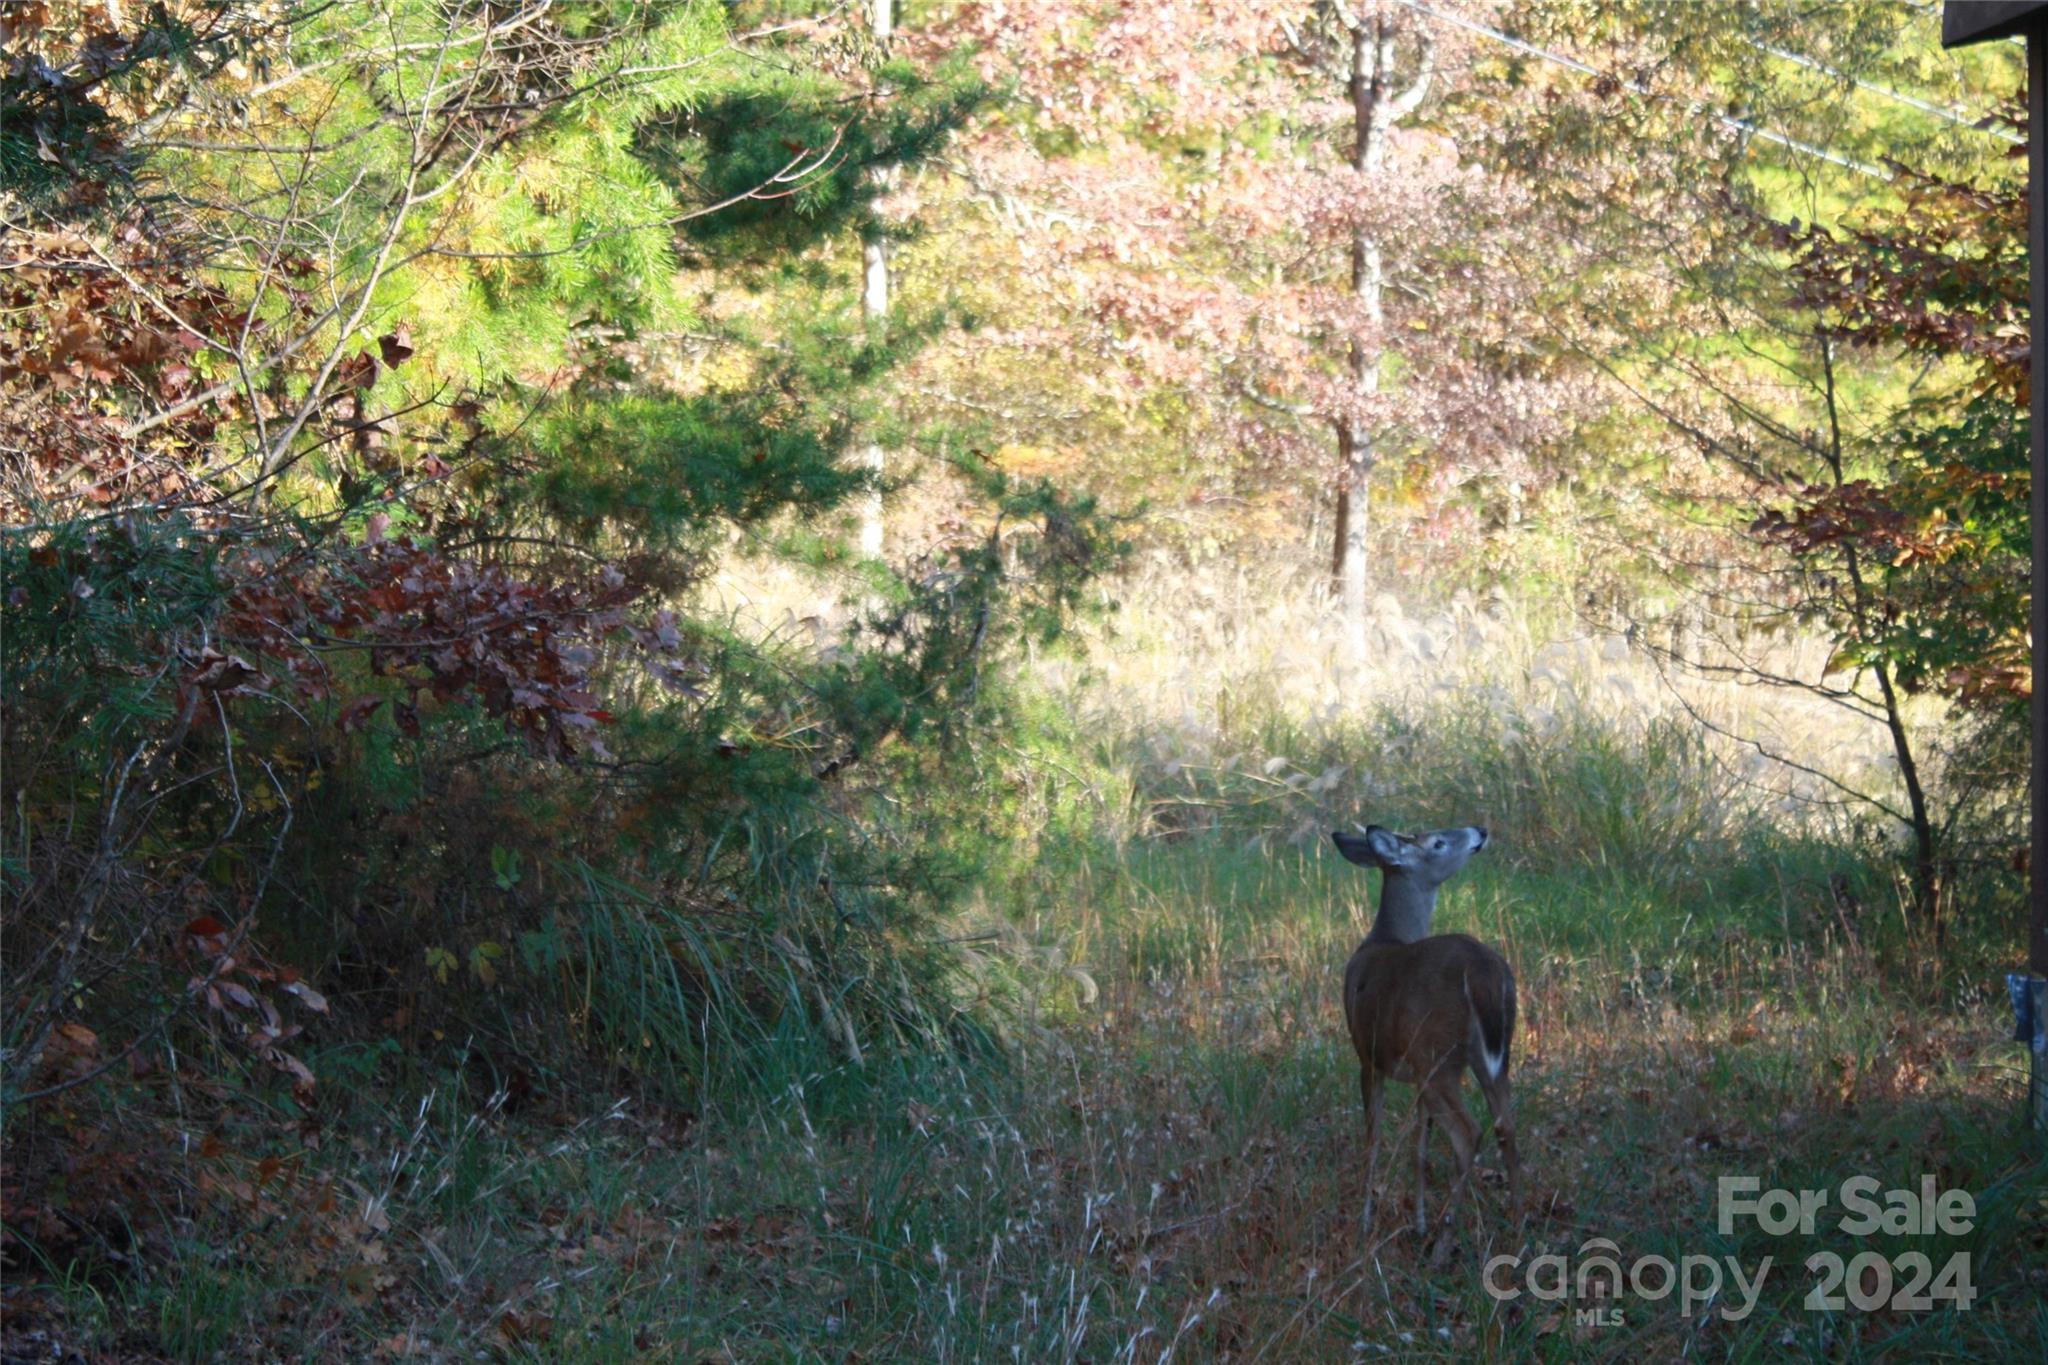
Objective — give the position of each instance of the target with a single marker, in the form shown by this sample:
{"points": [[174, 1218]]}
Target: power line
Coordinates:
{"points": [[1740, 125], [1956, 116]]}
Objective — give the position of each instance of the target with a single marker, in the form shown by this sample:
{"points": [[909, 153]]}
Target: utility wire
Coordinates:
{"points": [[1956, 116], [1740, 125]]}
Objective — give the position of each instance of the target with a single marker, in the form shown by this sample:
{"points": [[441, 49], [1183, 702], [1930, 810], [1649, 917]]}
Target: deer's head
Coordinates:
{"points": [[1428, 859]]}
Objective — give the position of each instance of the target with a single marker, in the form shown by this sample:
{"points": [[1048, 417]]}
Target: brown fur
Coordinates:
{"points": [[1424, 1013]]}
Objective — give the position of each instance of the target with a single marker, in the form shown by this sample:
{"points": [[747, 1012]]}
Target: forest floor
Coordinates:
{"points": [[1174, 1173]]}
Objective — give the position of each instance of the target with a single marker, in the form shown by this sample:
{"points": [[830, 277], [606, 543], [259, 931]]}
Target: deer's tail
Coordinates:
{"points": [[1491, 1010]]}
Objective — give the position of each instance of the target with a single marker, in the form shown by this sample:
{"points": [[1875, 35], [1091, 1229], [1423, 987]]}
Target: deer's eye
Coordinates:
{"points": [[1437, 845]]}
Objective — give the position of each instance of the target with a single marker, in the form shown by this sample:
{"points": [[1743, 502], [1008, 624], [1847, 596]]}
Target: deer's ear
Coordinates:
{"points": [[1387, 847], [1355, 847]]}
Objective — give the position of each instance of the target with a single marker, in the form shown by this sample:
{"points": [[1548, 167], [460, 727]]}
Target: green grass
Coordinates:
{"points": [[1174, 1167], [1163, 1161]]}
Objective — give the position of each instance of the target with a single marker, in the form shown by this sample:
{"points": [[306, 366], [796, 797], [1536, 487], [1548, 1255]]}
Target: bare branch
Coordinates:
{"points": [[1409, 100]]}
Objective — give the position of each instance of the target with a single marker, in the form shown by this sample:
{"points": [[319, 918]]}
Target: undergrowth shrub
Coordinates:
{"points": [[752, 845]]}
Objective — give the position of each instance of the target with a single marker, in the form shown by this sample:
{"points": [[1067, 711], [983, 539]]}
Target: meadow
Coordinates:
{"points": [[676, 675], [1157, 1153]]}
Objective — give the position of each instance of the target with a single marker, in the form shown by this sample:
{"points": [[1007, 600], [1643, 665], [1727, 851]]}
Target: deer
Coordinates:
{"points": [[1425, 1009]]}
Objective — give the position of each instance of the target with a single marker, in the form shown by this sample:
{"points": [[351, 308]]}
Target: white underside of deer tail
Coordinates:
{"points": [[1487, 1055]]}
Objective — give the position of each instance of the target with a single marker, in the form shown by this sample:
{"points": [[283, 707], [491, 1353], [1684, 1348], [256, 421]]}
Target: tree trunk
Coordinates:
{"points": [[1354, 509], [1926, 868], [874, 302], [1372, 56], [1340, 519], [875, 309], [1926, 871]]}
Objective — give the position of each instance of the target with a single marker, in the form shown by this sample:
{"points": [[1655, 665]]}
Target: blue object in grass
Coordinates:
{"points": [[2029, 1013]]}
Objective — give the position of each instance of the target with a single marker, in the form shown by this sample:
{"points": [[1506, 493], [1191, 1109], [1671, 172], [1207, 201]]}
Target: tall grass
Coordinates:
{"points": [[1161, 1161], [1174, 1172]]}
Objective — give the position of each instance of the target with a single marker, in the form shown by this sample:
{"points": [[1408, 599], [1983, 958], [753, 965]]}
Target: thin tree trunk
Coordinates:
{"points": [[875, 305], [1340, 520], [1354, 504], [875, 309], [1926, 871], [1372, 111]]}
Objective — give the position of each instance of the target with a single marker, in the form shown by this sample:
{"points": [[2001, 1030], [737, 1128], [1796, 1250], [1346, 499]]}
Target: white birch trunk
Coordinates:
{"points": [[875, 309], [1373, 110]]}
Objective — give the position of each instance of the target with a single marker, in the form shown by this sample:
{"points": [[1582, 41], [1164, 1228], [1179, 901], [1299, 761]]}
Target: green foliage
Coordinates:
{"points": [[661, 473], [1934, 516], [1816, 295], [1759, 1031], [796, 162], [442, 720], [413, 878]]}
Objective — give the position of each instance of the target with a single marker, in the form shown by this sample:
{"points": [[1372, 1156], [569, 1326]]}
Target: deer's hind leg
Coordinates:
{"points": [[1422, 1127], [1369, 1091], [1500, 1099], [1441, 1100]]}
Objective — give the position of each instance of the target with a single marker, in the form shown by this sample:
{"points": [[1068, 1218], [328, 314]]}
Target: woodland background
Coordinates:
{"points": [[674, 672]]}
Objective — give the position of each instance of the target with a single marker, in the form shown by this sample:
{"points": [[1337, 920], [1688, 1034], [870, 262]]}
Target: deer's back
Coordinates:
{"points": [[1411, 1005]]}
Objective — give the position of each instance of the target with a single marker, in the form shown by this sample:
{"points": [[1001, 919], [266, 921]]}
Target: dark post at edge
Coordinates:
{"points": [[2037, 257], [1961, 25], [2037, 424]]}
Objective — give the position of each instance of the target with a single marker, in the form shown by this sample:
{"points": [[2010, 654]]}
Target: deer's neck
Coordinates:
{"points": [[1405, 908]]}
